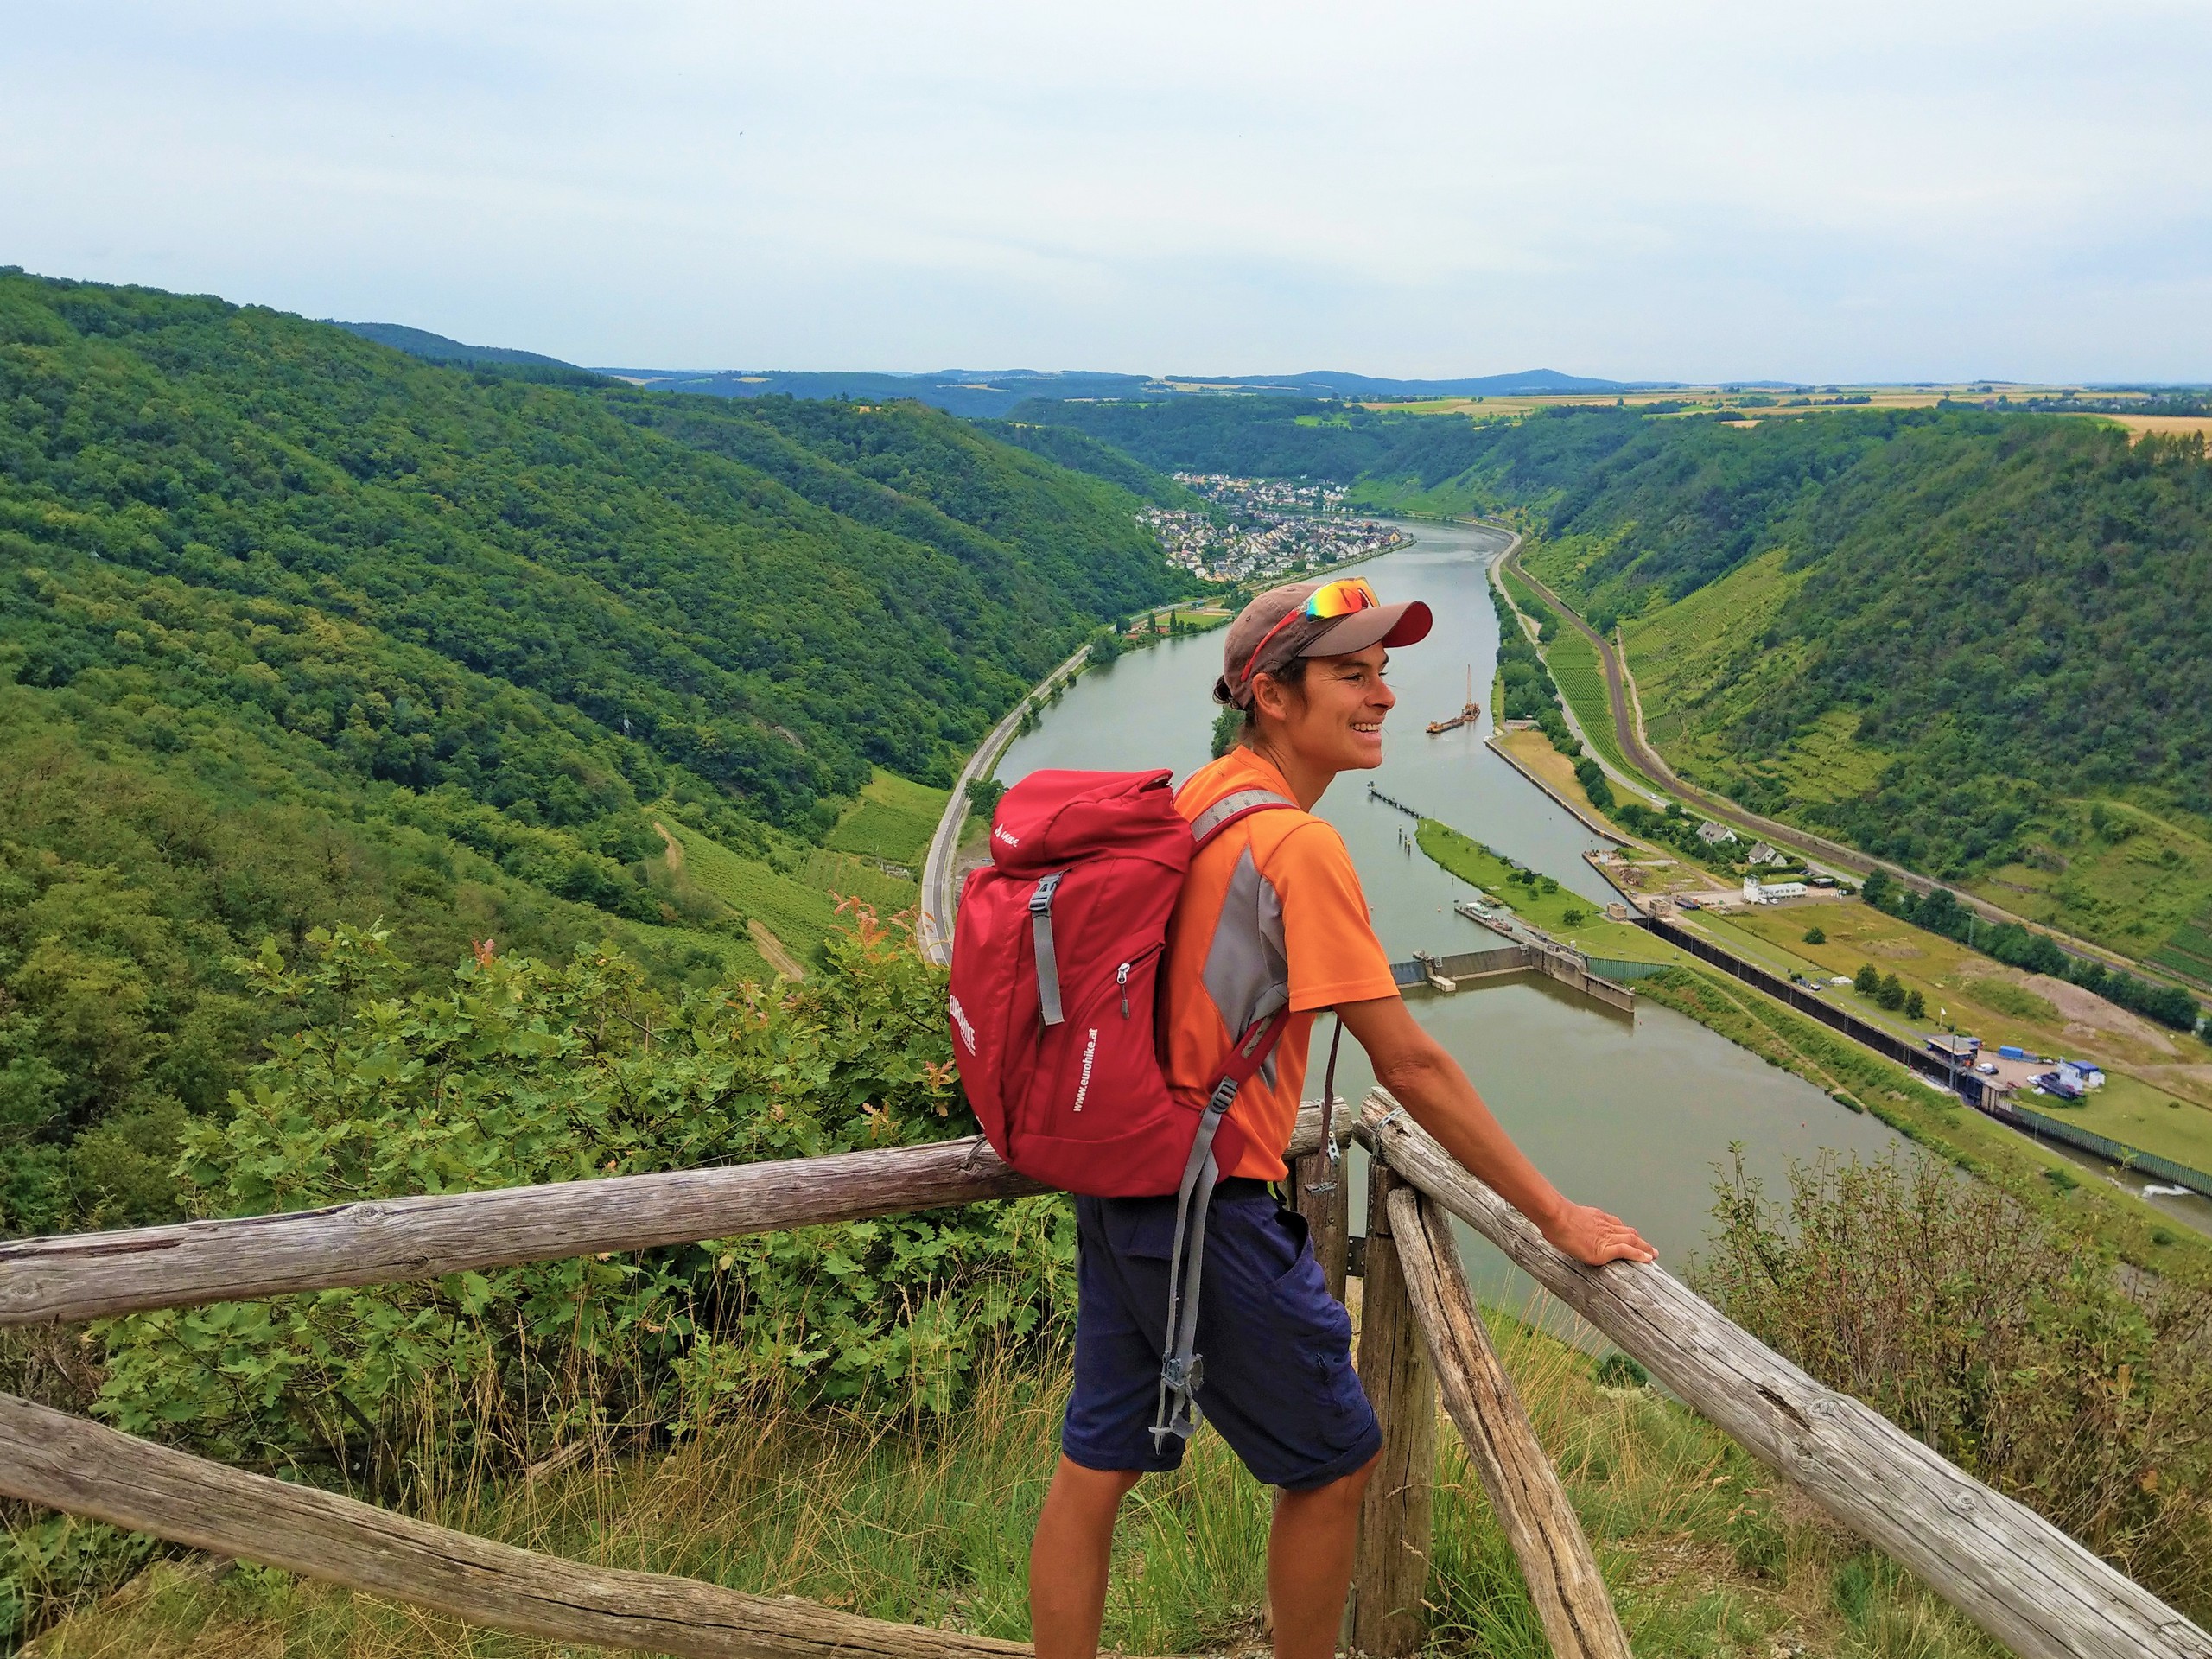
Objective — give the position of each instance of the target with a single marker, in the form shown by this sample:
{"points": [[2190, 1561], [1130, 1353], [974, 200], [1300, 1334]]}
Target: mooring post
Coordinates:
{"points": [[1392, 1564], [1327, 1212]]}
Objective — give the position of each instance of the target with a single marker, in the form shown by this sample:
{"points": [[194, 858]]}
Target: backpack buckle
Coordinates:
{"points": [[1183, 1376]]}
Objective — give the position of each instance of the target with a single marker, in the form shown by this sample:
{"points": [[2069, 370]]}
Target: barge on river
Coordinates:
{"points": [[1466, 716]]}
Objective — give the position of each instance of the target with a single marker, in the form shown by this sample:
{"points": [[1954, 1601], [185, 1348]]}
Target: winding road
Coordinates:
{"points": [[933, 933]]}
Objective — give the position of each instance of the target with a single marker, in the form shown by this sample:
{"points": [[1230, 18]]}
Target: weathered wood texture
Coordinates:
{"points": [[1391, 1566], [87, 1275], [65, 1463], [1525, 1489], [2019, 1578], [1321, 1191], [94, 1275]]}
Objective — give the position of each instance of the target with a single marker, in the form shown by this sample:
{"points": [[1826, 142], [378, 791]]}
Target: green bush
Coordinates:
{"points": [[522, 1072], [2014, 1348], [1816, 935]]}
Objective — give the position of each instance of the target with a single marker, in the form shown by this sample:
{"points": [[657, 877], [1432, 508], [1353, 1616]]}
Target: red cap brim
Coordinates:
{"points": [[1405, 623]]}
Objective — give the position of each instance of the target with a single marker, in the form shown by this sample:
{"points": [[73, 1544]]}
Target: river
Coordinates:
{"points": [[1637, 1115]]}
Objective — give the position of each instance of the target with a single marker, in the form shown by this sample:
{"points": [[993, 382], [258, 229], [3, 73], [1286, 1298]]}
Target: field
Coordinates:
{"points": [[1681, 653], [1534, 750], [2128, 874], [2172, 1116], [2132, 1112], [892, 821], [2137, 878], [1454, 497], [930, 1524], [1561, 912], [2036, 1175], [1555, 909], [797, 905]]}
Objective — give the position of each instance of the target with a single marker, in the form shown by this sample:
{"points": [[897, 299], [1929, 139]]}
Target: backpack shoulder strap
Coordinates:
{"points": [[1230, 808]]}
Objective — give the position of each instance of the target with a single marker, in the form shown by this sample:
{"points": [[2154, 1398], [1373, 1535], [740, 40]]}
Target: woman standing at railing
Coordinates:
{"points": [[1271, 916]]}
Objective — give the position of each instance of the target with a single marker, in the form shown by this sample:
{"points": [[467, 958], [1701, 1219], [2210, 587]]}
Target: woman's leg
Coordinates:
{"points": [[1309, 1563], [1068, 1561]]}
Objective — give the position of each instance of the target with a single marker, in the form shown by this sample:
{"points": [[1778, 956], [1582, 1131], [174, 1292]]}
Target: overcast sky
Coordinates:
{"points": [[1646, 190]]}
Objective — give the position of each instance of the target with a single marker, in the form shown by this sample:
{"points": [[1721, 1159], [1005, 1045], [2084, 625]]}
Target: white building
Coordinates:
{"points": [[1757, 892]]}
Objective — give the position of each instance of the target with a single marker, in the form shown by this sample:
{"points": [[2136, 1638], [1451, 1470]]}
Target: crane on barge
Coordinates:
{"points": [[1466, 716]]}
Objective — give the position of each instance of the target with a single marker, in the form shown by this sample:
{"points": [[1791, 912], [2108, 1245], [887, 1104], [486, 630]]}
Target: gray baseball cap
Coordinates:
{"points": [[1274, 630]]}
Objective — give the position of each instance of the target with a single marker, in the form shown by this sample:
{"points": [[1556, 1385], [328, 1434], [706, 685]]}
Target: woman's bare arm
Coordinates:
{"points": [[1414, 1066]]}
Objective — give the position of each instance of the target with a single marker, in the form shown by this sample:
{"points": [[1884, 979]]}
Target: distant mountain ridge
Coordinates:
{"points": [[436, 348], [987, 394]]}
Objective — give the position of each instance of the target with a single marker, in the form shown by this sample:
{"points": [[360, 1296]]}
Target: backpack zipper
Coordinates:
{"points": [[1122, 979]]}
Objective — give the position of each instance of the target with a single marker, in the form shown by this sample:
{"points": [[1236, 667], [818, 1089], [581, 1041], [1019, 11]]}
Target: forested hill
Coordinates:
{"points": [[296, 629]]}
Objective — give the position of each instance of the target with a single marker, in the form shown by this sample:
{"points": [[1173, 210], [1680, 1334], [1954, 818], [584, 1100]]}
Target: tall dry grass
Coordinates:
{"points": [[924, 1517]]}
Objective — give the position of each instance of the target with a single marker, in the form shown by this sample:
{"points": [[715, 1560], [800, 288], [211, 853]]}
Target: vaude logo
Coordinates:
{"points": [[998, 833], [1089, 1053], [960, 1019]]}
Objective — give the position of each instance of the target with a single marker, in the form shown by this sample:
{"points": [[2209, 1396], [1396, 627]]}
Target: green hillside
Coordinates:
{"points": [[298, 630], [1980, 645]]}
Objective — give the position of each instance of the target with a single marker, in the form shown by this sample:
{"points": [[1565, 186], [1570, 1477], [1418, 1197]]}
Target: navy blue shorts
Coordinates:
{"points": [[1277, 1382]]}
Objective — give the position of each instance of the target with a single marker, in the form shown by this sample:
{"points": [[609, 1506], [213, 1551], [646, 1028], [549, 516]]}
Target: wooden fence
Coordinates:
{"points": [[2017, 1576]]}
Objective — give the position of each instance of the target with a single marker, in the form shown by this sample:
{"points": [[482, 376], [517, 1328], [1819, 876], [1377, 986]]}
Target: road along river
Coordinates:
{"points": [[1634, 1114]]}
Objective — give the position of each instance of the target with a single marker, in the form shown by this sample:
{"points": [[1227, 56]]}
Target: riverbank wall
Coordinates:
{"points": [[1580, 817]]}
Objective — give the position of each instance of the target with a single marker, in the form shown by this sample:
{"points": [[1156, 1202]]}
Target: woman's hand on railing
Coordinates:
{"points": [[1593, 1237]]}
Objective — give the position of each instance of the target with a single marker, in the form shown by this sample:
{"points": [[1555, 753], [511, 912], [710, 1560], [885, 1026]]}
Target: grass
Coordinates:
{"points": [[1864, 1081], [892, 820], [1580, 676], [1581, 680], [1703, 1552], [2141, 885], [2129, 1110], [1555, 910], [2133, 1113], [1983, 997], [1532, 749]]}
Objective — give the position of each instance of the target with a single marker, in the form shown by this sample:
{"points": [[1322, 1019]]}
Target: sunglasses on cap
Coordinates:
{"points": [[1327, 603]]}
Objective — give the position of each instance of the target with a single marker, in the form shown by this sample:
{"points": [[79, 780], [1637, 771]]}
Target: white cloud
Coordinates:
{"points": [[1674, 190]]}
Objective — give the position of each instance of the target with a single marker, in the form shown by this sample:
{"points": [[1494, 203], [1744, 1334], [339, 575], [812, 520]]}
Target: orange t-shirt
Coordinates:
{"points": [[1271, 915]]}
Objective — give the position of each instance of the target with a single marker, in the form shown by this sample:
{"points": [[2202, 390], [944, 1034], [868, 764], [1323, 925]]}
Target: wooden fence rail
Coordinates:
{"points": [[2017, 1576], [48, 1457], [93, 1275]]}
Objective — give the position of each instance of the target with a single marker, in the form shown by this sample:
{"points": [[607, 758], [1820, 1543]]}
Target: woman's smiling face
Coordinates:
{"points": [[1331, 722]]}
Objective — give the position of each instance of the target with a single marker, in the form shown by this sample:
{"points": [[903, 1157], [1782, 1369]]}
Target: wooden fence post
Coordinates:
{"points": [[1391, 1566], [1525, 1489], [1327, 1213]]}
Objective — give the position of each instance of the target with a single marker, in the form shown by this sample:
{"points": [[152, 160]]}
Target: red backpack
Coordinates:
{"points": [[1055, 961], [1055, 965]]}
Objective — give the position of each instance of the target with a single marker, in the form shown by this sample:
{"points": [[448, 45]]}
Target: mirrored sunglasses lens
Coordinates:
{"points": [[1342, 598]]}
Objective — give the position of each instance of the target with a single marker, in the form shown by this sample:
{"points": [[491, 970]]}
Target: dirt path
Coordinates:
{"points": [[772, 947], [675, 848]]}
